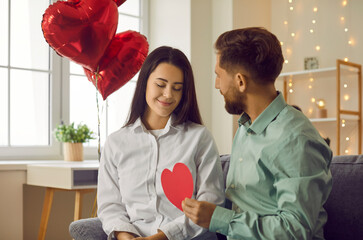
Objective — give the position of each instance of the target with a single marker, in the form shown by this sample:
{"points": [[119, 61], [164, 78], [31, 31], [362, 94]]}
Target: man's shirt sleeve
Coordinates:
{"points": [[302, 183]]}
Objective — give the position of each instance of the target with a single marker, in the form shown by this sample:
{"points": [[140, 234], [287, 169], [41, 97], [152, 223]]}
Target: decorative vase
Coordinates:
{"points": [[322, 113], [73, 151]]}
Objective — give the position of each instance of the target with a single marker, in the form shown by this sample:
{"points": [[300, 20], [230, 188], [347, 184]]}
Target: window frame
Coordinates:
{"points": [[59, 102]]}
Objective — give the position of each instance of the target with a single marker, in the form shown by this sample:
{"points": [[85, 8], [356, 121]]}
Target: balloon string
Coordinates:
{"points": [[98, 117]]}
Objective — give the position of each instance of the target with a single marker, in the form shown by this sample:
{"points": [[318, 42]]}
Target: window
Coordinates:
{"points": [[38, 89]]}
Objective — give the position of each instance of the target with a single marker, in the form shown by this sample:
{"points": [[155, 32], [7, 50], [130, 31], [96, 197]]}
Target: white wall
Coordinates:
{"points": [[169, 24], [193, 26], [328, 33], [201, 55], [11, 204], [222, 122]]}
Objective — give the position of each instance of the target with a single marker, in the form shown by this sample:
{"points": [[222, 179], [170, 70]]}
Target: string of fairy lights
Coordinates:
{"points": [[313, 30]]}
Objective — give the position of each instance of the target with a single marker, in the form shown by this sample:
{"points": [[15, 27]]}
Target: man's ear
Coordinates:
{"points": [[241, 82]]}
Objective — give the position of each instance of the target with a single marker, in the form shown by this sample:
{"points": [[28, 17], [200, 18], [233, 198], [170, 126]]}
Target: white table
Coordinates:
{"points": [[80, 177]]}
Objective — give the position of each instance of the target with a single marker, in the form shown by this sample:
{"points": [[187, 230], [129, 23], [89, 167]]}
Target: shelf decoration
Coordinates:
{"points": [[311, 63], [322, 111]]}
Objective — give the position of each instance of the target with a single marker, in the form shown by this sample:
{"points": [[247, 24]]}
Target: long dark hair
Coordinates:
{"points": [[187, 110]]}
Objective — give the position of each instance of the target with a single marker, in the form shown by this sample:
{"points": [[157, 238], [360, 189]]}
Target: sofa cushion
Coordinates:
{"points": [[345, 203]]}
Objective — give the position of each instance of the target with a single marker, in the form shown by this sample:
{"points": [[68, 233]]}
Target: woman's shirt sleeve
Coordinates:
{"points": [[111, 210]]}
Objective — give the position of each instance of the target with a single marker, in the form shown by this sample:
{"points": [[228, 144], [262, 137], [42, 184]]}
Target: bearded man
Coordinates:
{"points": [[279, 175]]}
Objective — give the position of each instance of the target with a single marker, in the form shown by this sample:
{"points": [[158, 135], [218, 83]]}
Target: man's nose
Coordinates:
{"points": [[216, 84]]}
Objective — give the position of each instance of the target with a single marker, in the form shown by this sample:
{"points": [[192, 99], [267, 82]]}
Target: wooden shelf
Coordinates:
{"points": [[327, 76], [317, 73], [333, 119], [323, 119], [306, 73]]}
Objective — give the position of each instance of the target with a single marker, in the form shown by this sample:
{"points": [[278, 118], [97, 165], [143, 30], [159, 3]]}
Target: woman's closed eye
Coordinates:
{"points": [[178, 88], [160, 85]]}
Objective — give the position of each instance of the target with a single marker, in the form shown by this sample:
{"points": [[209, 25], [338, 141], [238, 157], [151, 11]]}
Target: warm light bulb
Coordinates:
{"points": [[346, 59], [347, 138], [290, 84], [310, 87], [344, 3], [313, 100], [288, 50], [285, 22], [317, 48], [310, 110], [346, 97], [342, 18], [345, 29], [286, 61], [343, 123], [290, 1], [291, 91], [311, 30], [345, 85], [311, 79], [346, 151], [350, 42], [315, 9], [314, 21], [281, 43], [291, 8], [320, 103], [292, 34]]}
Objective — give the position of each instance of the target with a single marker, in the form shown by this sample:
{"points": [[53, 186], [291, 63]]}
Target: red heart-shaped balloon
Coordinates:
{"points": [[122, 60], [119, 2], [177, 185], [81, 30]]}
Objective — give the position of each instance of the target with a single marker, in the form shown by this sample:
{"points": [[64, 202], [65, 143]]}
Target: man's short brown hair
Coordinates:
{"points": [[254, 49]]}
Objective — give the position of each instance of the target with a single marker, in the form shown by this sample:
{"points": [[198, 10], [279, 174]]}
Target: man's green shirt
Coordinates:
{"points": [[278, 179]]}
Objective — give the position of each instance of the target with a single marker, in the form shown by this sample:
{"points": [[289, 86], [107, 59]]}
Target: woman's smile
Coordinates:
{"points": [[164, 104]]}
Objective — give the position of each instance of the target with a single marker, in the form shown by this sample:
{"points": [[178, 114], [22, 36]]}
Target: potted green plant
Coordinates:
{"points": [[73, 138]]}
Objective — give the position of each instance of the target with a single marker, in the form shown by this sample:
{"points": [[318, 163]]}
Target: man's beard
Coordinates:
{"points": [[234, 102]]}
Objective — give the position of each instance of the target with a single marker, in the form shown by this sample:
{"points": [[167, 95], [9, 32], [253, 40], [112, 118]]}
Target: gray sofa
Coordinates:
{"points": [[344, 206]]}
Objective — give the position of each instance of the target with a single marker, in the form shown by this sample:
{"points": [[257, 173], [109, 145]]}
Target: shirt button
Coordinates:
{"points": [[232, 185], [218, 231], [240, 159], [238, 210]]}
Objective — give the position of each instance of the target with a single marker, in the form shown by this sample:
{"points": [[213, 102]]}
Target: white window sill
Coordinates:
{"points": [[21, 165]]}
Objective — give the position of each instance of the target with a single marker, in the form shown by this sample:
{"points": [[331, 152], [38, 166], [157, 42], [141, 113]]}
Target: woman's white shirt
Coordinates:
{"points": [[130, 195]]}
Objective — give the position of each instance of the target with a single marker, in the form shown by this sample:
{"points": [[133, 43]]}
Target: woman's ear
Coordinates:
{"points": [[241, 82]]}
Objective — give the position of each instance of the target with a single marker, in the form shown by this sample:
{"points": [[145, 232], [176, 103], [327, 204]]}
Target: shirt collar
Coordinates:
{"points": [[266, 117], [139, 126]]}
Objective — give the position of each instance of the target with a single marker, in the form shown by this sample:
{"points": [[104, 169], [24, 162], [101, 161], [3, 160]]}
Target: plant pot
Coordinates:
{"points": [[73, 151]]}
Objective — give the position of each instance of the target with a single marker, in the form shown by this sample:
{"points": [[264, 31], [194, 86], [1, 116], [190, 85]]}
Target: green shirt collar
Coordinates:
{"points": [[266, 117]]}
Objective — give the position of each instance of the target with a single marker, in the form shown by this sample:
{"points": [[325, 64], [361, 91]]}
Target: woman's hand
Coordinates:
{"points": [[159, 236], [124, 236]]}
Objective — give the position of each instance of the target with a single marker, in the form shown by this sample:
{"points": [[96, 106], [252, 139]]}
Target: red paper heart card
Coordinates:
{"points": [[178, 184]]}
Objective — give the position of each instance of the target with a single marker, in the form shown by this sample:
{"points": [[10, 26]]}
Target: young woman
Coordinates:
{"points": [[164, 128]]}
